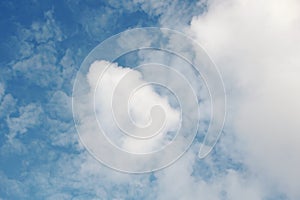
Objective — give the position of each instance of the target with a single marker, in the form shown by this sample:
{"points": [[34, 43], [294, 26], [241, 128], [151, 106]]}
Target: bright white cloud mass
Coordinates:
{"points": [[255, 45], [141, 101]]}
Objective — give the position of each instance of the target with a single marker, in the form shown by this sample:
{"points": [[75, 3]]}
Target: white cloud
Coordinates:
{"points": [[230, 184], [255, 45], [43, 32], [38, 63], [28, 118], [141, 101], [59, 106], [40, 68]]}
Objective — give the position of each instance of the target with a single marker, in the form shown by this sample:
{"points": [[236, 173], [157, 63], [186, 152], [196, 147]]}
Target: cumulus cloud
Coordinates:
{"points": [[140, 104], [254, 43]]}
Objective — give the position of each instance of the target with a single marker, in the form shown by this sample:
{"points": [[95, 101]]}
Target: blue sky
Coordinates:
{"points": [[43, 44]]}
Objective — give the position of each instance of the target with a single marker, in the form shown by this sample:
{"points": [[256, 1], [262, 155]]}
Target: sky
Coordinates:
{"points": [[45, 153]]}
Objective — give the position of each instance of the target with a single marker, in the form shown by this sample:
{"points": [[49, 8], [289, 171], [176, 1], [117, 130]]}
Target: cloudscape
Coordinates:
{"points": [[139, 99]]}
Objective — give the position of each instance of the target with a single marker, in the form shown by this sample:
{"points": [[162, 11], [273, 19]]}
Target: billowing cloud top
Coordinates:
{"points": [[141, 101]]}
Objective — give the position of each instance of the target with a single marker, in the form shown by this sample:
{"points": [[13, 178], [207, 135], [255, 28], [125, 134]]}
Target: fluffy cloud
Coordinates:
{"points": [[254, 43], [140, 108]]}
